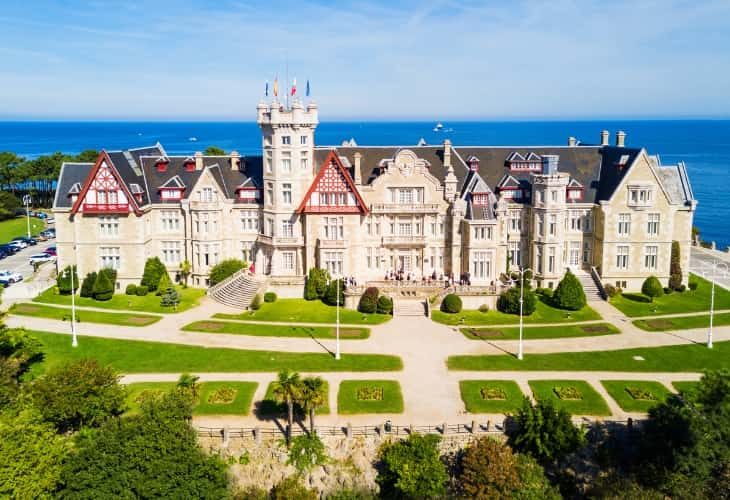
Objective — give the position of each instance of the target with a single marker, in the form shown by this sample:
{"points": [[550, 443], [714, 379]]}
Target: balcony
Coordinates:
{"points": [[106, 208], [404, 208], [281, 241], [327, 244], [205, 205], [404, 241]]}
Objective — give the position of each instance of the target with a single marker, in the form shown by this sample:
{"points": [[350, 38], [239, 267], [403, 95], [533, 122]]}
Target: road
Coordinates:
{"points": [[701, 261]]}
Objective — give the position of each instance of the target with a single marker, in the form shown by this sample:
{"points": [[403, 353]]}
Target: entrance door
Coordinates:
{"points": [[404, 263], [574, 254]]}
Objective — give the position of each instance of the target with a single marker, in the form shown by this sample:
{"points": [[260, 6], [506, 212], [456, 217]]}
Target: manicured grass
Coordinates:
{"points": [[132, 356], [678, 358], [270, 408], [12, 228], [306, 311], [685, 386], [591, 403], [636, 304], [544, 332], [349, 404], [189, 297], [682, 322], [618, 391], [543, 314], [471, 394], [82, 316], [318, 332], [240, 405]]}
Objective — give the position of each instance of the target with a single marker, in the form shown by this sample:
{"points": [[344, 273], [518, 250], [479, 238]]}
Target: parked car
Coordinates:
{"points": [[10, 249], [51, 251], [40, 258], [4, 283], [48, 233], [4, 253], [41, 215], [10, 276], [39, 238], [19, 245], [27, 241], [50, 221]]}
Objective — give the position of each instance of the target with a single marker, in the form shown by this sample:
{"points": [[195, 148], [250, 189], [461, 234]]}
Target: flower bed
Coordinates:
{"points": [[370, 393], [640, 393], [493, 393], [567, 393], [222, 396]]}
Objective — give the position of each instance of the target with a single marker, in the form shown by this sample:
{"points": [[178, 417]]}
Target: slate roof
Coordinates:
{"points": [[71, 174], [676, 183]]}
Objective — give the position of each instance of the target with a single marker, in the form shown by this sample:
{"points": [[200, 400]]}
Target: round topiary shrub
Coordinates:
{"points": [[385, 305], [681, 288], [451, 304], [103, 287], [368, 304], [484, 308], [569, 294], [131, 289], [270, 297], [509, 301], [693, 285], [652, 288], [142, 290], [667, 290]]}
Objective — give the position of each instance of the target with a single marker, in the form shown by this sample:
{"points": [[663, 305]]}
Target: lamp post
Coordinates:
{"points": [[26, 202], [713, 268], [337, 330], [74, 341], [522, 272]]}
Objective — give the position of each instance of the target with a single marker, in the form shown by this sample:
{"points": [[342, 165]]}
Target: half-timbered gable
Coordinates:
{"points": [[332, 191], [104, 192]]}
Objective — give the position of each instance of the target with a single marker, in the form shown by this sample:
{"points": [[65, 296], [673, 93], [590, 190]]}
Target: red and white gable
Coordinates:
{"points": [[103, 191], [332, 191]]}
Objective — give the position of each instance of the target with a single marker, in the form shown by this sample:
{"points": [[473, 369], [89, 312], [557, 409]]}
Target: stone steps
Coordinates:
{"points": [[589, 287], [236, 291], [409, 308]]}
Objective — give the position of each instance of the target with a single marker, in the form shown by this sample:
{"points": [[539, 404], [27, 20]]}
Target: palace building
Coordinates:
{"points": [[418, 211]]}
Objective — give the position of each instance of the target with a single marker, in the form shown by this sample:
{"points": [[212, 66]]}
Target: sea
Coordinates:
{"points": [[704, 145]]}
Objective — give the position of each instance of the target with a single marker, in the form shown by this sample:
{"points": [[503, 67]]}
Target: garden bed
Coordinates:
{"points": [[369, 396], [491, 396], [564, 394], [636, 395], [540, 332], [189, 297], [270, 408], [83, 315], [306, 311], [263, 330], [682, 322], [238, 401], [544, 313]]}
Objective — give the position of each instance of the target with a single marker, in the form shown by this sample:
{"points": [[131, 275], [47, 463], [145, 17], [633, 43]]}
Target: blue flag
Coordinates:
{"points": [[266, 92], [307, 87]]}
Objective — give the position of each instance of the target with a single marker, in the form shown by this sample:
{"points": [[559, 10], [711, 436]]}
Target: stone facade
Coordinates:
{"points": [[378, 212]]}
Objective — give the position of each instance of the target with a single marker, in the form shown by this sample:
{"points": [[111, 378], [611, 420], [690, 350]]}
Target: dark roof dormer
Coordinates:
{"points": [[189, 164], [531, 162], [172, 189], [75, 189], [473, 163], [162, 163]]}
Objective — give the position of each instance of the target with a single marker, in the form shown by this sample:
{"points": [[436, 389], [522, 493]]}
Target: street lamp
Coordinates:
{"points": [[522, 272], [71, 271], [26, 202], [337, 329], [714, 266]]}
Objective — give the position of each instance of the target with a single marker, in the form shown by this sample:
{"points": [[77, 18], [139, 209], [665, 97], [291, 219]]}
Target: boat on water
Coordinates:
{"points": [[439, 127], [192, 139]]}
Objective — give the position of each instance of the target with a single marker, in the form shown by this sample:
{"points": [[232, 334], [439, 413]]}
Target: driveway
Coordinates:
{"points": [[701, 261]]}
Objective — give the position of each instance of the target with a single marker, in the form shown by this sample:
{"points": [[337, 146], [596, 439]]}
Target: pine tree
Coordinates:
{"points": [[675, 267], [170, 297], [569, 294], [153, 271], [87, 286], [164, 283]]}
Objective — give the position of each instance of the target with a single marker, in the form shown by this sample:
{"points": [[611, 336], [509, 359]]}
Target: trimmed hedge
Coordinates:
{"points": [[131, 289], [87, 286], [652, 288], [385, 305], [103, 287], [569, 294], [141, 291], [451, 304], [509, 301], [153, 271]]}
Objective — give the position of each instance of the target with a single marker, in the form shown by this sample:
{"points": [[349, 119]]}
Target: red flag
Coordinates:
{"points": [[294, 87]]}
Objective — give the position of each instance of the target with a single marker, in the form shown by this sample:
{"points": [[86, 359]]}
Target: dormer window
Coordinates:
{"points": [[530, 163], [189, 164], [574, 191], [480, 198], [162, 163], [640, 196], [172, 190], [249, 194], [473, 163]]}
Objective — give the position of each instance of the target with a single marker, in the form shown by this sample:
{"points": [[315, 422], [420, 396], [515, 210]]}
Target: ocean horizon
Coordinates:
{"points": [[703, 144]]}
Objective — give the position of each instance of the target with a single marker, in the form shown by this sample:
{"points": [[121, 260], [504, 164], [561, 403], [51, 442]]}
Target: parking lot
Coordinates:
{"points": [[18, 262]]}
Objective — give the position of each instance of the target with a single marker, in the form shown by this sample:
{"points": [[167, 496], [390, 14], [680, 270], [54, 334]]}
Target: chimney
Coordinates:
{"points": [[358, 178], [620, 138], [473, 163], [571, 141], [550, 164], [235, 160], [198, 160], [604, 138], [447, 153]]}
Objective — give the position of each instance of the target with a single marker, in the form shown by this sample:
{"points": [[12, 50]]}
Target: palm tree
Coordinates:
{"points": [[286, 389], [189, 382], [313, 396], [185, 270]]}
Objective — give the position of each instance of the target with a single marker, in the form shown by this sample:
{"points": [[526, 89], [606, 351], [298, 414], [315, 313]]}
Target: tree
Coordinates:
{"points": [[186, 268], [164, 283], [385, 305], [310, 290], [675, 267], [291, 488], [9, 164], [170, 297], [451, 304], [63, 280], [369, 300], [9, 205], [153, 271], [191, 383], [225, 269], [31, 455], [569, 293], [412, 468], [18, 351], [87, 286], [335, 293], [652, 288], [80, 393], [214, 151], [544, 432], [103, 288], [286, 389], [154, 454], [313, 395], [509, 301], [306, 452], [535, 484], [87, 156], [319, 278], [489, 470]]}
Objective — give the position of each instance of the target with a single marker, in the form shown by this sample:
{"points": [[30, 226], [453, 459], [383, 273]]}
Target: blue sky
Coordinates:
{"points": [[366, 60]]}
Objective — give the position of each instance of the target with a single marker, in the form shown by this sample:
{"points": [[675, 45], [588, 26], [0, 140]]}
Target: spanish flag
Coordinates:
{"points": [[294, 87], [276, 87]]}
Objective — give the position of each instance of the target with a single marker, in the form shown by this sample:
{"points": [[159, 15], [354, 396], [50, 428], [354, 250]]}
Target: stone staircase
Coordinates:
{"points": [[409, 308], [237, 290], [590, 287]]}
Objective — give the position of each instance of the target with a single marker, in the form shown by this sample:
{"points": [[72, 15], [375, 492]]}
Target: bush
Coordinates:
{"points": [[331, 296], [484, 308], [451, 304], [256, 302], [610, 290], [319, 279], [675, 267], [131, 289], [225, 269], [270, 297], [547, 293], [310, 291], [652, 288], [291, 488], [693, 285], [153, 271], [681, 288], [385, 305], [103, 288], [368, 304], [141, 291], [509, 301], [411, 468], [87, 286], [63, 281], [170, 297], [306, 452], [667, 290], [111, 274], [569, 294], [163, 284]]}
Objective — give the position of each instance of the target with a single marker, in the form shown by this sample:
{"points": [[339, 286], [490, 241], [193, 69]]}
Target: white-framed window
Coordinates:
{"points": [[286, 193], [287, 229], [247, 251], [207, 255], [541, 225], [480, 232], [270, 192], [586, 253], [554, 195], [334, 228], [206, 194], [170, 220], [515, 253], [481, 265], [652, 224], [286, 140], [405, 229], [551, 260], [405, 196], [515, 221], [622, 256], [624, 224], [651, 253], [108, 226], [304, 161], [287, 261], [574, 253], [333, 263], [171, 253], [109, 257], [303, 140], [640, 196], [552, 224], [249, 221], [269, 226], [286, 162], [538, 257], [437, 258], [576, 220], [269, 162], [587, 221]]}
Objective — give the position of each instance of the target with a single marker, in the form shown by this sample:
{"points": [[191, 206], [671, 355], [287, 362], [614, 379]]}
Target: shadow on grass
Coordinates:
{"points": [[637, 297]]}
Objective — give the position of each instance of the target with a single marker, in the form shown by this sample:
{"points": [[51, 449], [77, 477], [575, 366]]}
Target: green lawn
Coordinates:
{"points": [[12, 228], [270, 408], [132, 356], [189, 297], [240, 405], [678, 358], [64, 314], [591, 403], [477, 402], [544, 332], [543, 314], [685, 386], [306, 311], [318, 332], [348, 402], [620, 392], [636, 304], [682, 322]]}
